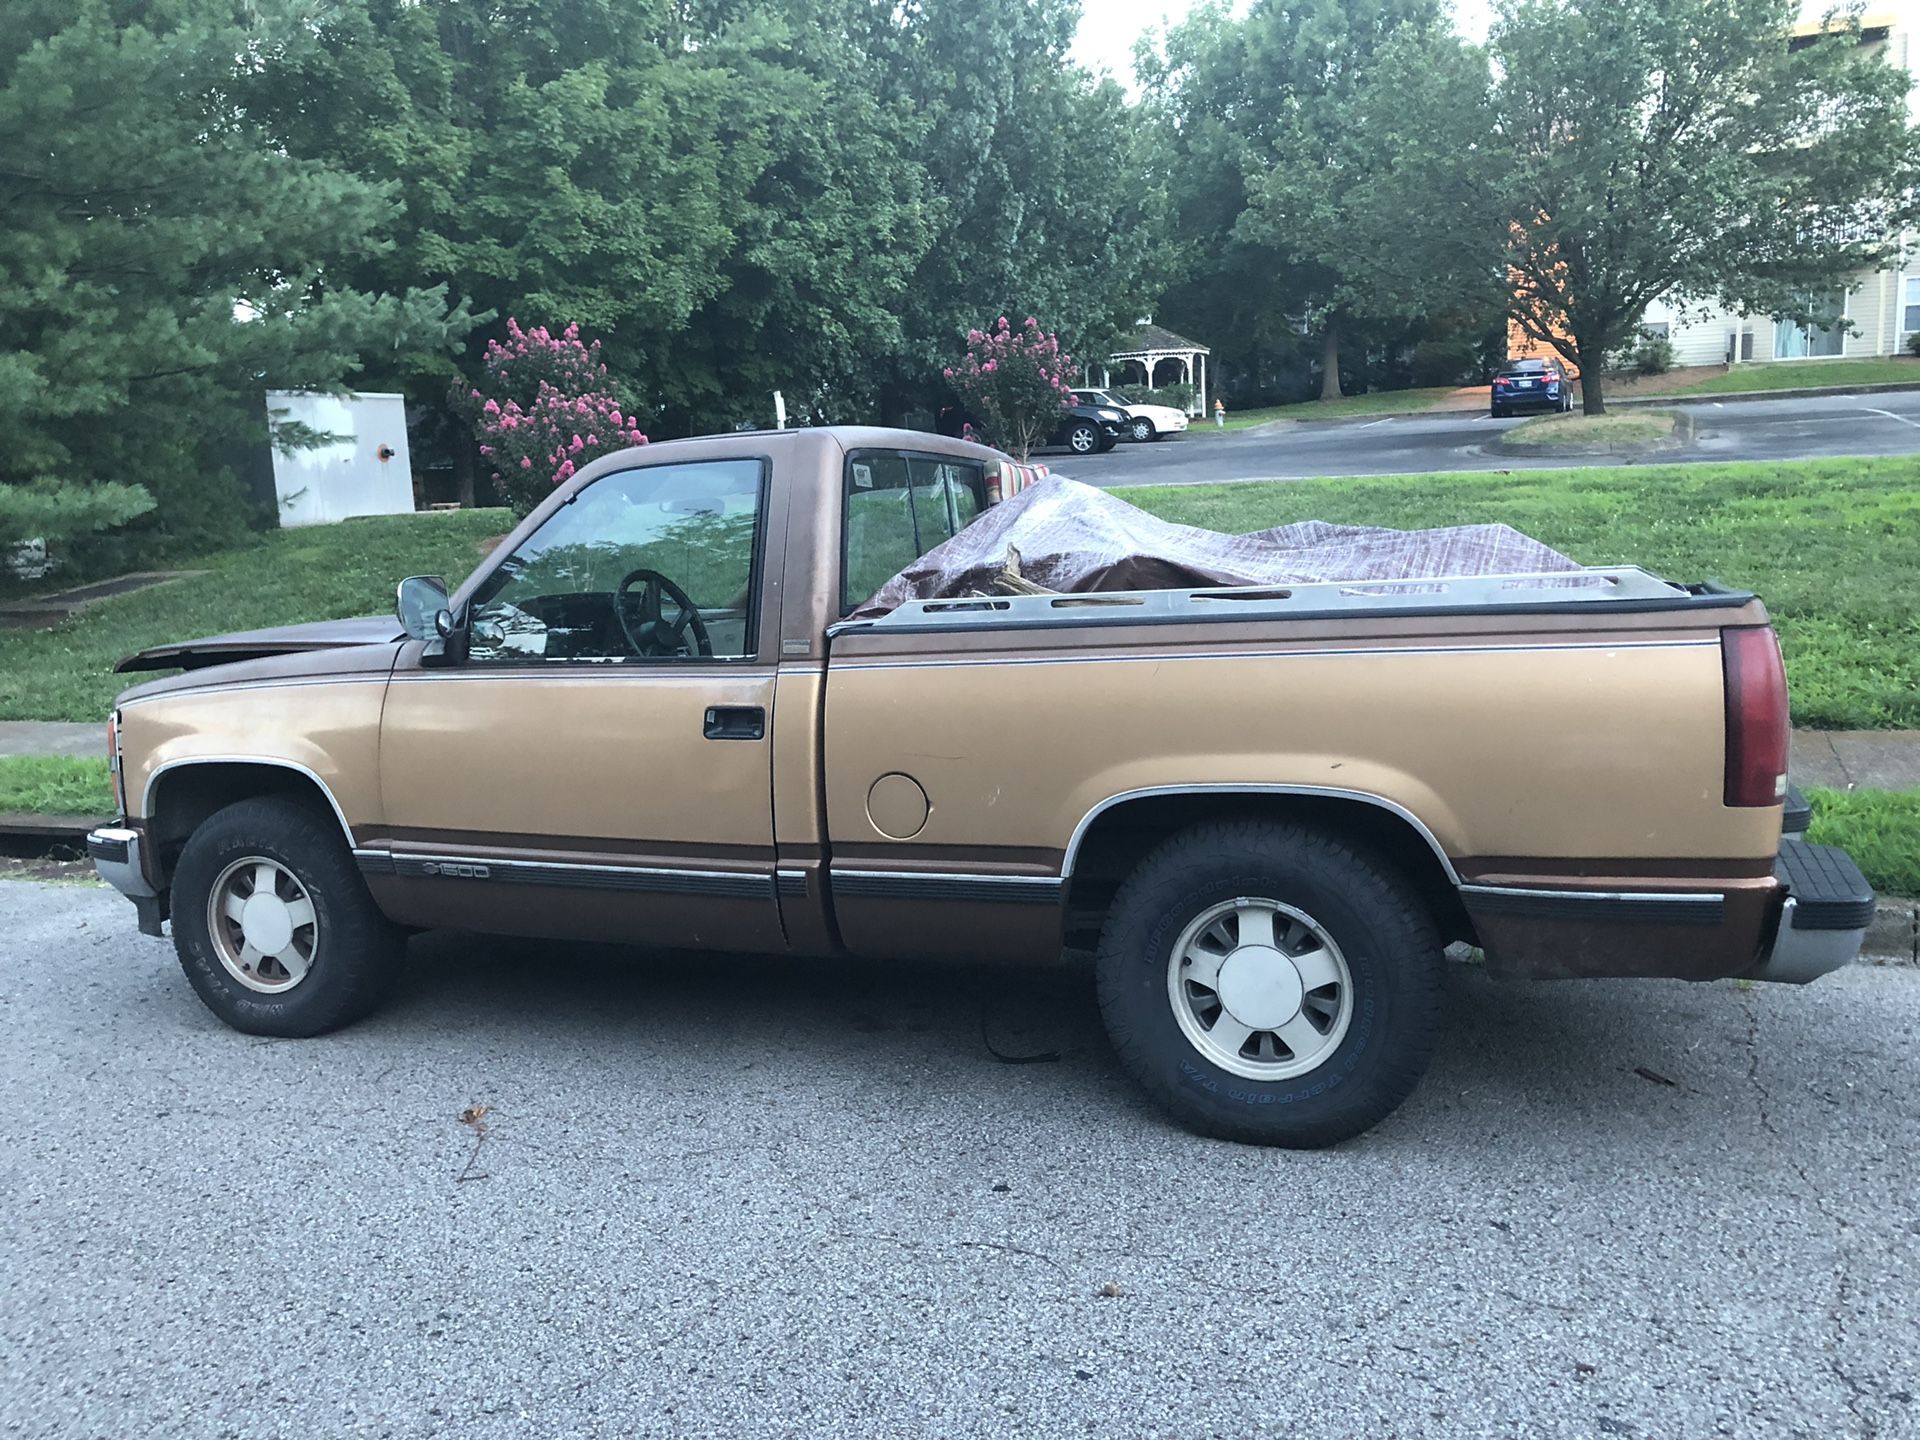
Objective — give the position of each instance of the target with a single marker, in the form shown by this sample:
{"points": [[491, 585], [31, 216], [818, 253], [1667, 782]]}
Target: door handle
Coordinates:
{"points": [[736, 722]]}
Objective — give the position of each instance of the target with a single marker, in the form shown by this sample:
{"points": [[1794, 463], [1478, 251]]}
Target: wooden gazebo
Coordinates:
{"points": [[1155, 356]]}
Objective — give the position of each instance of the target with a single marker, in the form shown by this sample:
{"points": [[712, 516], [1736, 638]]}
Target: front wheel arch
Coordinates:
{"points": [[183, 795]]}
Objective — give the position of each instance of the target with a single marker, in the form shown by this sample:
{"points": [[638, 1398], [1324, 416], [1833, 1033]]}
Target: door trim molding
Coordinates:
{"points": [[645, 879]]}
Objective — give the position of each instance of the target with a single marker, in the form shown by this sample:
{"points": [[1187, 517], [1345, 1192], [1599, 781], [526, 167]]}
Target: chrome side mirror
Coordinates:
{"points": [[419, 602]]}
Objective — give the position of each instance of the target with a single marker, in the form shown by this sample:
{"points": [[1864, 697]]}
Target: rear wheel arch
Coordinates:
{"points": [[1116, 836]]}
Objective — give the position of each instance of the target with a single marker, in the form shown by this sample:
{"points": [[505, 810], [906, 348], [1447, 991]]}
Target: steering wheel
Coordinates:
{"points": [[652, 633]]}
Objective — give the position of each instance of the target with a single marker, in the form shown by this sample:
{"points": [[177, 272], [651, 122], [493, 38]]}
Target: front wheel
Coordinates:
{"points": [[1083, 438], [1141, 429], [1271, 984], [273, 923]]}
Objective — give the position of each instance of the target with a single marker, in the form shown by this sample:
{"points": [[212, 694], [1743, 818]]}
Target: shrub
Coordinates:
{"points": [[1653, 355], [1913, 343], [1015, 382], [545, 408], [48, 511]]}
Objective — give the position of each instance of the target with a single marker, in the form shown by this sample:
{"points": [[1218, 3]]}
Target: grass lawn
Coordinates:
{"points": [[1879, 828], [1806, 374], [320, 572], [1625, 431], [1833, 546], [1374, 402], [55, 785]]}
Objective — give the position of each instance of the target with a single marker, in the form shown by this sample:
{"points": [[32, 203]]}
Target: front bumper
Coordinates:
{"points": [[115, 852], [1824, 918]]}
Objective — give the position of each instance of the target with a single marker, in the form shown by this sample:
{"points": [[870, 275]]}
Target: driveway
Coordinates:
{"points": [[721, 1196], [1887, 424]]}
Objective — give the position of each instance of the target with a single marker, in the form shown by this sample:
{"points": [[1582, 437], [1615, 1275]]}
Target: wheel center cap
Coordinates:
{"points": [[1260, 987], [266, 924]]}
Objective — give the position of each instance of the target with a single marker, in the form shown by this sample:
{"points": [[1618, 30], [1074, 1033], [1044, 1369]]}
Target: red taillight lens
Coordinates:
{"points": [[1756, 687]]}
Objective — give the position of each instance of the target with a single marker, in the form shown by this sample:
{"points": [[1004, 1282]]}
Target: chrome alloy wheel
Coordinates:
{"points": [[263, 925], [1260, 989]]}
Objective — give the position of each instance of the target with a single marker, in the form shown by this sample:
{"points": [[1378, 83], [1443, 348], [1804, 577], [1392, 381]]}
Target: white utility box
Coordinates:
{"points": [[365, 470]]}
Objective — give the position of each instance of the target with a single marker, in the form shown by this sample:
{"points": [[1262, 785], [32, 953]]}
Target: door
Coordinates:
{"points": [[598, 766]]}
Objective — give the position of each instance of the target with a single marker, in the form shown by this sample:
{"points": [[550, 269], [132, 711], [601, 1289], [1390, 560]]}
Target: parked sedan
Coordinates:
{"points": [[1531, 385], [1083, 429], [1144, 422]]}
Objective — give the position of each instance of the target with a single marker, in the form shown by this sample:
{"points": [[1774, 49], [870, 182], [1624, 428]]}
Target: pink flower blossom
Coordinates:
{"points": [[526, 462]]}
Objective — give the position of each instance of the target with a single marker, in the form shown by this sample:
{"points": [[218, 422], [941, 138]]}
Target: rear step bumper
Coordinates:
{"points": [[1824, 918], [1797, 813]]}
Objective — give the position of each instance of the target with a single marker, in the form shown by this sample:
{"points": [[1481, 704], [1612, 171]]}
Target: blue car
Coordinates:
{"points": [[1531, 385]]}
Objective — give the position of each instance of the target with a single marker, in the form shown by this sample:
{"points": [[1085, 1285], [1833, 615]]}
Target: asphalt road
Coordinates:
{"points": [[725, 1197], [1887, 424]]}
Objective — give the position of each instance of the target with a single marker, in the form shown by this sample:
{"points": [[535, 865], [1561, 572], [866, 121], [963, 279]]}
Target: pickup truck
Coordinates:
{"points": [[647, 718]]}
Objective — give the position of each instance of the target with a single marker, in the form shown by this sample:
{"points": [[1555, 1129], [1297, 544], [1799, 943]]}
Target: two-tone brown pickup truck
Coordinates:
{"points": [[646, 719]]}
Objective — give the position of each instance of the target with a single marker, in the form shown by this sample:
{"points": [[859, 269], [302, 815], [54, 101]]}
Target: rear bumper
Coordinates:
{"points": [[115, 852], [1823, 919], [1808, 916]]}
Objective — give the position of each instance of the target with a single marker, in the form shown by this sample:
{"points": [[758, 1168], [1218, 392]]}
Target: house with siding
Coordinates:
{"points": [[1883, 305]]}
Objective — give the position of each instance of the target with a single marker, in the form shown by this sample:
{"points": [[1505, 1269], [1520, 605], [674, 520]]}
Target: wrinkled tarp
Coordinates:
{"points": [[1073, 538]]}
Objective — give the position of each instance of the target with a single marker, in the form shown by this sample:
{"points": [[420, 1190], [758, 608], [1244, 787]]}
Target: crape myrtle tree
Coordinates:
{"points": [[1015, 381], [543, 409], [162, 262], [1640, 149]]}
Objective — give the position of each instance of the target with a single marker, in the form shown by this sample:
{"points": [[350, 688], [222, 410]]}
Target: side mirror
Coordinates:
{"points": [[419, 602]]}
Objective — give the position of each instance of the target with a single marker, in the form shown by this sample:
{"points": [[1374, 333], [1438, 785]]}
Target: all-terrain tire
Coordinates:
{"points": [[1377, 927], [355, 952]]}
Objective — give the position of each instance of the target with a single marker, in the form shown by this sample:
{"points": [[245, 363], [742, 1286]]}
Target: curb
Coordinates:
{"points": [[1894, 936], [1736, 397], [15, 825], [1683, 432]]}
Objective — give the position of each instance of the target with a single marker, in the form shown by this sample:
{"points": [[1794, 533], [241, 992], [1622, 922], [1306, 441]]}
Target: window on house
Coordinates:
{"points": [[1910, 305], [1792, 341]]}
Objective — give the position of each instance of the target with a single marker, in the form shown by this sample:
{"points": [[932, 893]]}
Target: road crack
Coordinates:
{"points": [[1857, 1392]]}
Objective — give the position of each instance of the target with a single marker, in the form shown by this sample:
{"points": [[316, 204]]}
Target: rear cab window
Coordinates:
{"points": [[898, 505]]}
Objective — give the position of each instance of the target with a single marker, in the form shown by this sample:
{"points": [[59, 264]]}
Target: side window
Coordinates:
{"points": [[650, 564], [898, 507]]}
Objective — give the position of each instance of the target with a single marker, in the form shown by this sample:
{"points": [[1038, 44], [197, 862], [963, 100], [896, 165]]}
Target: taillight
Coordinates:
{"points": [[1756, 688]]}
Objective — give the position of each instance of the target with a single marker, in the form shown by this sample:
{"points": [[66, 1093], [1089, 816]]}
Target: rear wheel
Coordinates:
{"points": [[273, 923], [1271, 984], [1083, 438], [1141, 428]]}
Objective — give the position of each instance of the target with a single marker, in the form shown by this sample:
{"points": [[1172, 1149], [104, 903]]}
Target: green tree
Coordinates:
{"points": [[1664, 148], [1045, 196], [1375, 235], [162, 262]]}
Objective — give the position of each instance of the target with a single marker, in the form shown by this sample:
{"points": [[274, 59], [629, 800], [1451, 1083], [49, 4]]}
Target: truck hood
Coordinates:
{"points": [[261, 644]]}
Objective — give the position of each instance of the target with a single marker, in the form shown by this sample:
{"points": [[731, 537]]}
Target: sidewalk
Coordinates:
{"points": [[1856, 759], [52, 737]]}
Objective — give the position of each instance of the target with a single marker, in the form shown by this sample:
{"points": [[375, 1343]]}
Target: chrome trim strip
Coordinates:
{"points": [[1629, 907], [146, 798], [844, 874], [1679, 897], [362, 677], [1159, 658], [1326, 792], [413, 865], [946, 885]]}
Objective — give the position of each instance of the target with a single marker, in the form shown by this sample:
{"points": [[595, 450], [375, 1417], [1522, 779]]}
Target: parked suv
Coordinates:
{"points": [[1531, 385]]}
